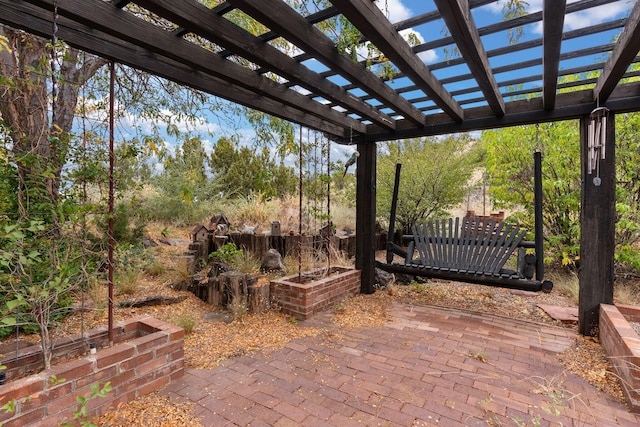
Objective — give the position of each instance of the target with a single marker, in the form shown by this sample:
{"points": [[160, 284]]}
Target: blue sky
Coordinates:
{"points": [[398, 10]]}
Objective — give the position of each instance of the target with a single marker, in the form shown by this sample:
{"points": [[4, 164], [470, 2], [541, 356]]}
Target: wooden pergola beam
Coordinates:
{"points": [[123, 25], [374, 26], [569, 106], [21, 15], [279, 17], [198, 19], [465, 33], [624, 52], [553, 12]]}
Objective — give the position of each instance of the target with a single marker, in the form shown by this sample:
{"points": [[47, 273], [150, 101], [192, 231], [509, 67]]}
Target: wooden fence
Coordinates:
{"points": [[257, 245]]}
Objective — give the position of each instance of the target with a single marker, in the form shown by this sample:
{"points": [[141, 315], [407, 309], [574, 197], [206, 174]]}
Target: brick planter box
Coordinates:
{"points": [[147, 354], [622, 345], [306, 298]]}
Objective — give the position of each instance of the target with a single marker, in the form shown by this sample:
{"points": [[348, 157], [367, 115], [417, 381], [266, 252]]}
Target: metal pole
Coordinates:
{"points": [[392, 216], [300, 214], [330, 222], [537, 195], [111, 196]]}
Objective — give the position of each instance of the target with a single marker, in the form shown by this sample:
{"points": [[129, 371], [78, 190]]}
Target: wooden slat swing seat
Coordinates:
{"points": [[472, 250]]}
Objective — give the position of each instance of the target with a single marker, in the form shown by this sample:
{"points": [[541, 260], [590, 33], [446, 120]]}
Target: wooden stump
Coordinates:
{"points": [[234, 286], [258, 298], [214, 292]]}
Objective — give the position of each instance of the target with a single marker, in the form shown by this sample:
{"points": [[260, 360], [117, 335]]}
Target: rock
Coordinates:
{"points": [[249, 230], [383, 278], [404, 279], [563, 314], [219, 268], [217, 316], [148, 242], [174, 242], [272, 262], [155, 300]]}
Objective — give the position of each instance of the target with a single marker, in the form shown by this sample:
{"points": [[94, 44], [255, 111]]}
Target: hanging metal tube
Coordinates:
{"points": [[300, 214], [392, 217], [111, 243], [330, 233]]}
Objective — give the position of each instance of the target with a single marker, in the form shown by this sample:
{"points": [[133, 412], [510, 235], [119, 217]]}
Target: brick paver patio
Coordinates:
{"points": [[428, 366]]}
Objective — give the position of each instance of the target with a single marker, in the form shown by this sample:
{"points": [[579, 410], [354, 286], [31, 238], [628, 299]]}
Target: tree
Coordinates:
{"points": [[510, 173], [510, 170], [39, 146], [434, 178], [241, 171]]}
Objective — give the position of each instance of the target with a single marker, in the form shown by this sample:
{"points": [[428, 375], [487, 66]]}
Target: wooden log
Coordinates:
{"points": [[154, 300], [258, 298], [215, 294], [234, 285]]}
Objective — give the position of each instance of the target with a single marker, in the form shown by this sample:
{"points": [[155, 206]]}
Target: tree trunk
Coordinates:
{"points": [[39, 147]]}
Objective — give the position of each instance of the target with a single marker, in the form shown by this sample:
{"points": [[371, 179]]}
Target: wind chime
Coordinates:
{"points": [[597, 135]]}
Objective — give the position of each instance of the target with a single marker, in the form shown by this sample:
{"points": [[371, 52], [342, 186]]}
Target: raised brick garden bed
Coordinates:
{"points": [[304, 298], [147, 354], [621, 343]]}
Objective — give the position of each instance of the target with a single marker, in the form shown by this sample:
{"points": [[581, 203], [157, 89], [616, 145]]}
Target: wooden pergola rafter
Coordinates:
{"points": [[347, 100]]}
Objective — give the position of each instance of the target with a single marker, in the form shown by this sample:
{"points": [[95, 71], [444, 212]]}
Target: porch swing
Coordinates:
{"points": [[472, 250]]}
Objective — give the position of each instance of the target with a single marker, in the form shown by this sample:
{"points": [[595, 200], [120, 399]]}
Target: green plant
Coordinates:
{"points": [[245, 263], [227, 253], [81, 415], [155, 269], [238, 309], [179, 273], [39, 280], [418, 288], [126, 280], [186, 322]]}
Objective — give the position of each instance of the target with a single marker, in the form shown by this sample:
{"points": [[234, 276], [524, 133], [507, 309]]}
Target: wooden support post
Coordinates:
{"points": [[366, 216], [597, 225]]}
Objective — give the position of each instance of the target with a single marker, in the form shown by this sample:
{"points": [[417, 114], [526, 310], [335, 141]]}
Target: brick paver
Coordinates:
{"points": [[428, 366]]}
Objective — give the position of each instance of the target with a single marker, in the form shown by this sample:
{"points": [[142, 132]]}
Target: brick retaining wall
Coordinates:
{"points": [[151, 358], [303, 300], [622, 346]]}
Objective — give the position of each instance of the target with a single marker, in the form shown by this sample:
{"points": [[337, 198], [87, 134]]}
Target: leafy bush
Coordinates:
{"points": [[227, 253]]}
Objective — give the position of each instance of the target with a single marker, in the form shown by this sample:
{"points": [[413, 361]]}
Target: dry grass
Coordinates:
{"points": [[626, 293], [566, 284]]}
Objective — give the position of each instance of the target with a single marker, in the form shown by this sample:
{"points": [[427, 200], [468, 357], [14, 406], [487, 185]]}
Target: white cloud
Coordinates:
{"points": [[428, 56], [394, 10], [595, 15], [572, 21]]}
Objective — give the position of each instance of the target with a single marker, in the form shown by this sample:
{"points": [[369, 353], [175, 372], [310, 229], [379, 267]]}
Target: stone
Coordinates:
{"points": [[383, 278], [563, 314], [174, 242], [272, 262], [148, 242], [219, 268], [249, 230], [404, 279]]}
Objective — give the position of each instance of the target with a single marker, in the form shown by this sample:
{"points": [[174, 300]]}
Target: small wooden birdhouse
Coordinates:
{"points": [[200, 233], [275, 228]]}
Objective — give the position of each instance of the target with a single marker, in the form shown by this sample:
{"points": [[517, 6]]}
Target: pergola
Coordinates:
{"points": [[489, 83]]}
